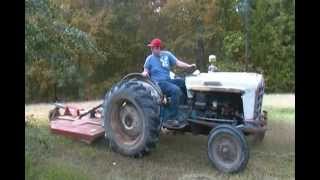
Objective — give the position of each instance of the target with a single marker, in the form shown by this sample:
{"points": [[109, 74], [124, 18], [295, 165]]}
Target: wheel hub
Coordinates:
{"points": [[127, 123], [130, 120], [226, 150]]}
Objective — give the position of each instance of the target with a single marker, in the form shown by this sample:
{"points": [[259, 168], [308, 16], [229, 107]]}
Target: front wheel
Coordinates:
{"points": [[228, 149]]}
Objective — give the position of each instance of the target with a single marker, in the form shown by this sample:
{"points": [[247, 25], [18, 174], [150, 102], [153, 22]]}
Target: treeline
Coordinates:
{"points": [[76, 49]]}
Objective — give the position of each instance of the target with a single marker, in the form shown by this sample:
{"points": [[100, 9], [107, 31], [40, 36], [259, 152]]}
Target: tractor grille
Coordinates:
{"points": [[258, 100]]}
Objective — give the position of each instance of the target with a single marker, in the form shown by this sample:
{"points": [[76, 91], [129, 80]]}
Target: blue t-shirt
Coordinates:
{"points": [[159, 66]]}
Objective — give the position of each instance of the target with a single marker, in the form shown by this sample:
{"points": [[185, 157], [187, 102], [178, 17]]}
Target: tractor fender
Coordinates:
{"points": [[147, 81]]}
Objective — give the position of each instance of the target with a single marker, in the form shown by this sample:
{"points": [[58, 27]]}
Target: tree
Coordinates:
{"points": [[78, 49], [53, 51]]}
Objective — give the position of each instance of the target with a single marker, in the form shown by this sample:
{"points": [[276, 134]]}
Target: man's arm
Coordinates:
{"points": [[146, 67], [184, 65]]}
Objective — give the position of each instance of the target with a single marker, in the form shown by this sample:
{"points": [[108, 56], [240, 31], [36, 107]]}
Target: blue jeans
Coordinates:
{"points": [[176, 90]]}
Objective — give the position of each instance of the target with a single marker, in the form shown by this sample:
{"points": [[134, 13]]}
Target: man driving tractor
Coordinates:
{"points": [[157, 66]]}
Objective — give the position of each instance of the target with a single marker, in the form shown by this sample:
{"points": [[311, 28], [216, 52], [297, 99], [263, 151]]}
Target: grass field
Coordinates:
{"points": [[177, 157]]}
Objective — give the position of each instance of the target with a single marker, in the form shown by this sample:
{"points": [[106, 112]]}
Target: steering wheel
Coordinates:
{"points": [[186, 72]]}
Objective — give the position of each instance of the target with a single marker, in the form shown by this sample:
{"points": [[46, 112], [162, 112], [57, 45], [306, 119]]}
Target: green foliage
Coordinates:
{"points": [[234, 46], [77, 49], [273, 43], [54, 53]]}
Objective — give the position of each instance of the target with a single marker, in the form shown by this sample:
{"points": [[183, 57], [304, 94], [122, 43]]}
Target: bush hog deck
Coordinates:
{"points": [[225, 106], [85, 127]]}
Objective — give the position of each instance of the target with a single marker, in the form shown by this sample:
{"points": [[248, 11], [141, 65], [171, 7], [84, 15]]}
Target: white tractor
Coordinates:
{"points": [[226, 106]]}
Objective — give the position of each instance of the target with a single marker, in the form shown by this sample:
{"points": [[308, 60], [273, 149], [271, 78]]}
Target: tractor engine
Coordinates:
{"points": [[217, 105]]}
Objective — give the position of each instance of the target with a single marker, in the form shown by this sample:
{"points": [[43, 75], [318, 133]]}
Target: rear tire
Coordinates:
{"points": [[228, 149], [131, 118]]}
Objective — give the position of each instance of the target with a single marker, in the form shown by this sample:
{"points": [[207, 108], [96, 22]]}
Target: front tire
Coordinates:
{"points": [[131, 118], [228, 149]]}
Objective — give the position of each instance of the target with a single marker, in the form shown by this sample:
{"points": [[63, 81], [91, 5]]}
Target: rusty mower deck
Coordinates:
{"points": [[70, 122]]}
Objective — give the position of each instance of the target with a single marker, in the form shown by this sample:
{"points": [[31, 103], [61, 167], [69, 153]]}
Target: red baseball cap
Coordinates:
{"points": [[155, 43]]}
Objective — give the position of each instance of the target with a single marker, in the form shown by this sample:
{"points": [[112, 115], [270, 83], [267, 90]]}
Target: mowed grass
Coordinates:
{"points": [[181, 157]]}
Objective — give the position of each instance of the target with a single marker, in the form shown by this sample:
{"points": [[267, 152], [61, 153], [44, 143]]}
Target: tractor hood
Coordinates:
{"points": [[249, 85], [224, 81]]}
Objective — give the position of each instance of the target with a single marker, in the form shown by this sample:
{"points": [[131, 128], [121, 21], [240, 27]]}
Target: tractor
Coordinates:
{"points": [[225, 106]]}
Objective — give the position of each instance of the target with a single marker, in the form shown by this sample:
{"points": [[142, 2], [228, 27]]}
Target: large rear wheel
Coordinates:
{"points": [[131, 118]]}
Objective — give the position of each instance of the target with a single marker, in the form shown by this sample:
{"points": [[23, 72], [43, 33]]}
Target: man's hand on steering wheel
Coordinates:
{"points": [[191, 68], [187, 70]]}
